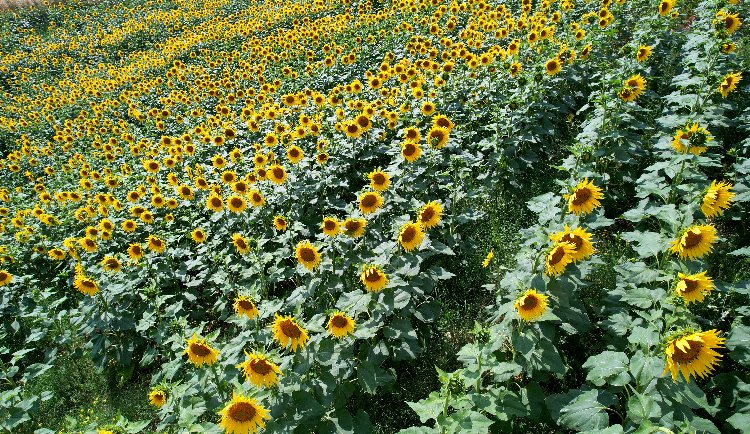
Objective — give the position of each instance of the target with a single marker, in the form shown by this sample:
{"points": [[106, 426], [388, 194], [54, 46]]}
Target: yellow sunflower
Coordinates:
{"points": [[259, 370], [693, 288], [88, 244], [277, 174], [718, 197], [644, 52], [243, 415], [411, 151], [584, 198], [430, 215], [379, 180], [410, 236], [86, 285], [553, 66], [256, 198], [373, 278], [438, 137], [241, 244], [135, 252], [198, 235], [487, 259], [693, 354], [295, 154], [691, 138], [308, 255], [695, 242], [155, 244], [730, 22], [5, 278], [56, 254], [280, 223], [215, 203], [665, 7], [559, 256], [157, 397], [340, 325], [289, 333], [111, 264], [354, 227], [531, 305], [370, 202], [330, 226], [243, 305], [729, 83], [200, 352], [580, 239]]}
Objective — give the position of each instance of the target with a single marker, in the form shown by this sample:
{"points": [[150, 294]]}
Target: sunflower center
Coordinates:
{"points": [[241, 244], [408, 234], [242, 412], [307, 254], [278, 172], [427, 214], [410, 149], [245, 304], [378, 178], [257, 198], [199, 349], [294, 153], [86, 284], [556, 255], [260, 366], [330, 225], [690, 285], [369, 200], [573, 239], [215, 202], [352, 226], [290, 329], [686, 356], [236, 202], [551, 66], [581, 196], [692, 239], [352, 129], [372, 276], [339, 321], [529, 302]]}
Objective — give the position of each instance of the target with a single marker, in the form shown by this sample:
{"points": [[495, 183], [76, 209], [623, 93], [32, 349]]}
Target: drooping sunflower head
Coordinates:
{"points": [[379, 180], [692, 353], [243, 415], [240, 243], [694, 287], [370, 202], [354, 227], [558, 257], [487, 259], [373, 278], [243, 305], [580, 239], [584, 198], [280, 223], [430, 215], [729, 83], [289, 333], [531, 305], [330, 226], [259, 370], [691, 138], [340, 325], [717, 198], [157, 397], [410, 236], [695, 242], [200, 352], [308, 255]]}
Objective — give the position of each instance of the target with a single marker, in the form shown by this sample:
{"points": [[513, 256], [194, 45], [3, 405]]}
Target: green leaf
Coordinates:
{"points": [[581, 410], [648, 244], [465, 421], [645, 368], [609, 367], [642, 407], [428, 408], [738, 342]]}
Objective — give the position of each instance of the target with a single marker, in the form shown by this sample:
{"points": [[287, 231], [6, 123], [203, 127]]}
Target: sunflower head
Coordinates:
{"points": [[695, 242], [156, 244], [584, 198], [200, 352], [411, 151], [244, 306], [157, 397], [259, 370], [198, 235], [280, 223], [330, 226], [579, 238], [379, 180], [241, 244], [289, 333], [430, 215], [354, 227], [692, 353], [410, 236], [370, 202], [717, 198], [373, 278], [694, 287], [243, 415], [531, 305], [307, 255], [340, 325], [487, 259], [558, 257]]}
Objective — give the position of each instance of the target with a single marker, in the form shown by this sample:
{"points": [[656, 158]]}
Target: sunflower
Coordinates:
{"points": [[430, 214], [155, 244], [643, 53], [370, 202], [198, 235], [665, 7], [289, 333], [729, 83], [330, 226], [340, 325], [5, 277], [438, 137], [731, 22], [86, 285], [280, 223], [558, 257], [515, 68], [135, 252], [428, 108], [295, 154], [260, 371], [256, 199], [379, 180], [373, 278], [692, 288], [579, 238], [584, 198], [185, 192], [200, 352], [531, 305], [487, 259], [696, 136], [354, 227], [111, 264], [410, 236], [717, 198], [215, 203], [693, 354], [277, 174], [56, 254], [243, 305], [411, 151], [307, 255], [157, 397], [129, 226], [553, 66], [240, 243], [695, 242], [88, 244], [243, 415], [236, 204]]}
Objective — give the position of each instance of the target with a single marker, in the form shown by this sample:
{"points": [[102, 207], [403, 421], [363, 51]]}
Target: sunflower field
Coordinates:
{"points": [[375, 216]]}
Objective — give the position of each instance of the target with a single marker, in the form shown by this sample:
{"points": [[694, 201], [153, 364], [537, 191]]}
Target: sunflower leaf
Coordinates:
{"points": [[609, 367]]}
